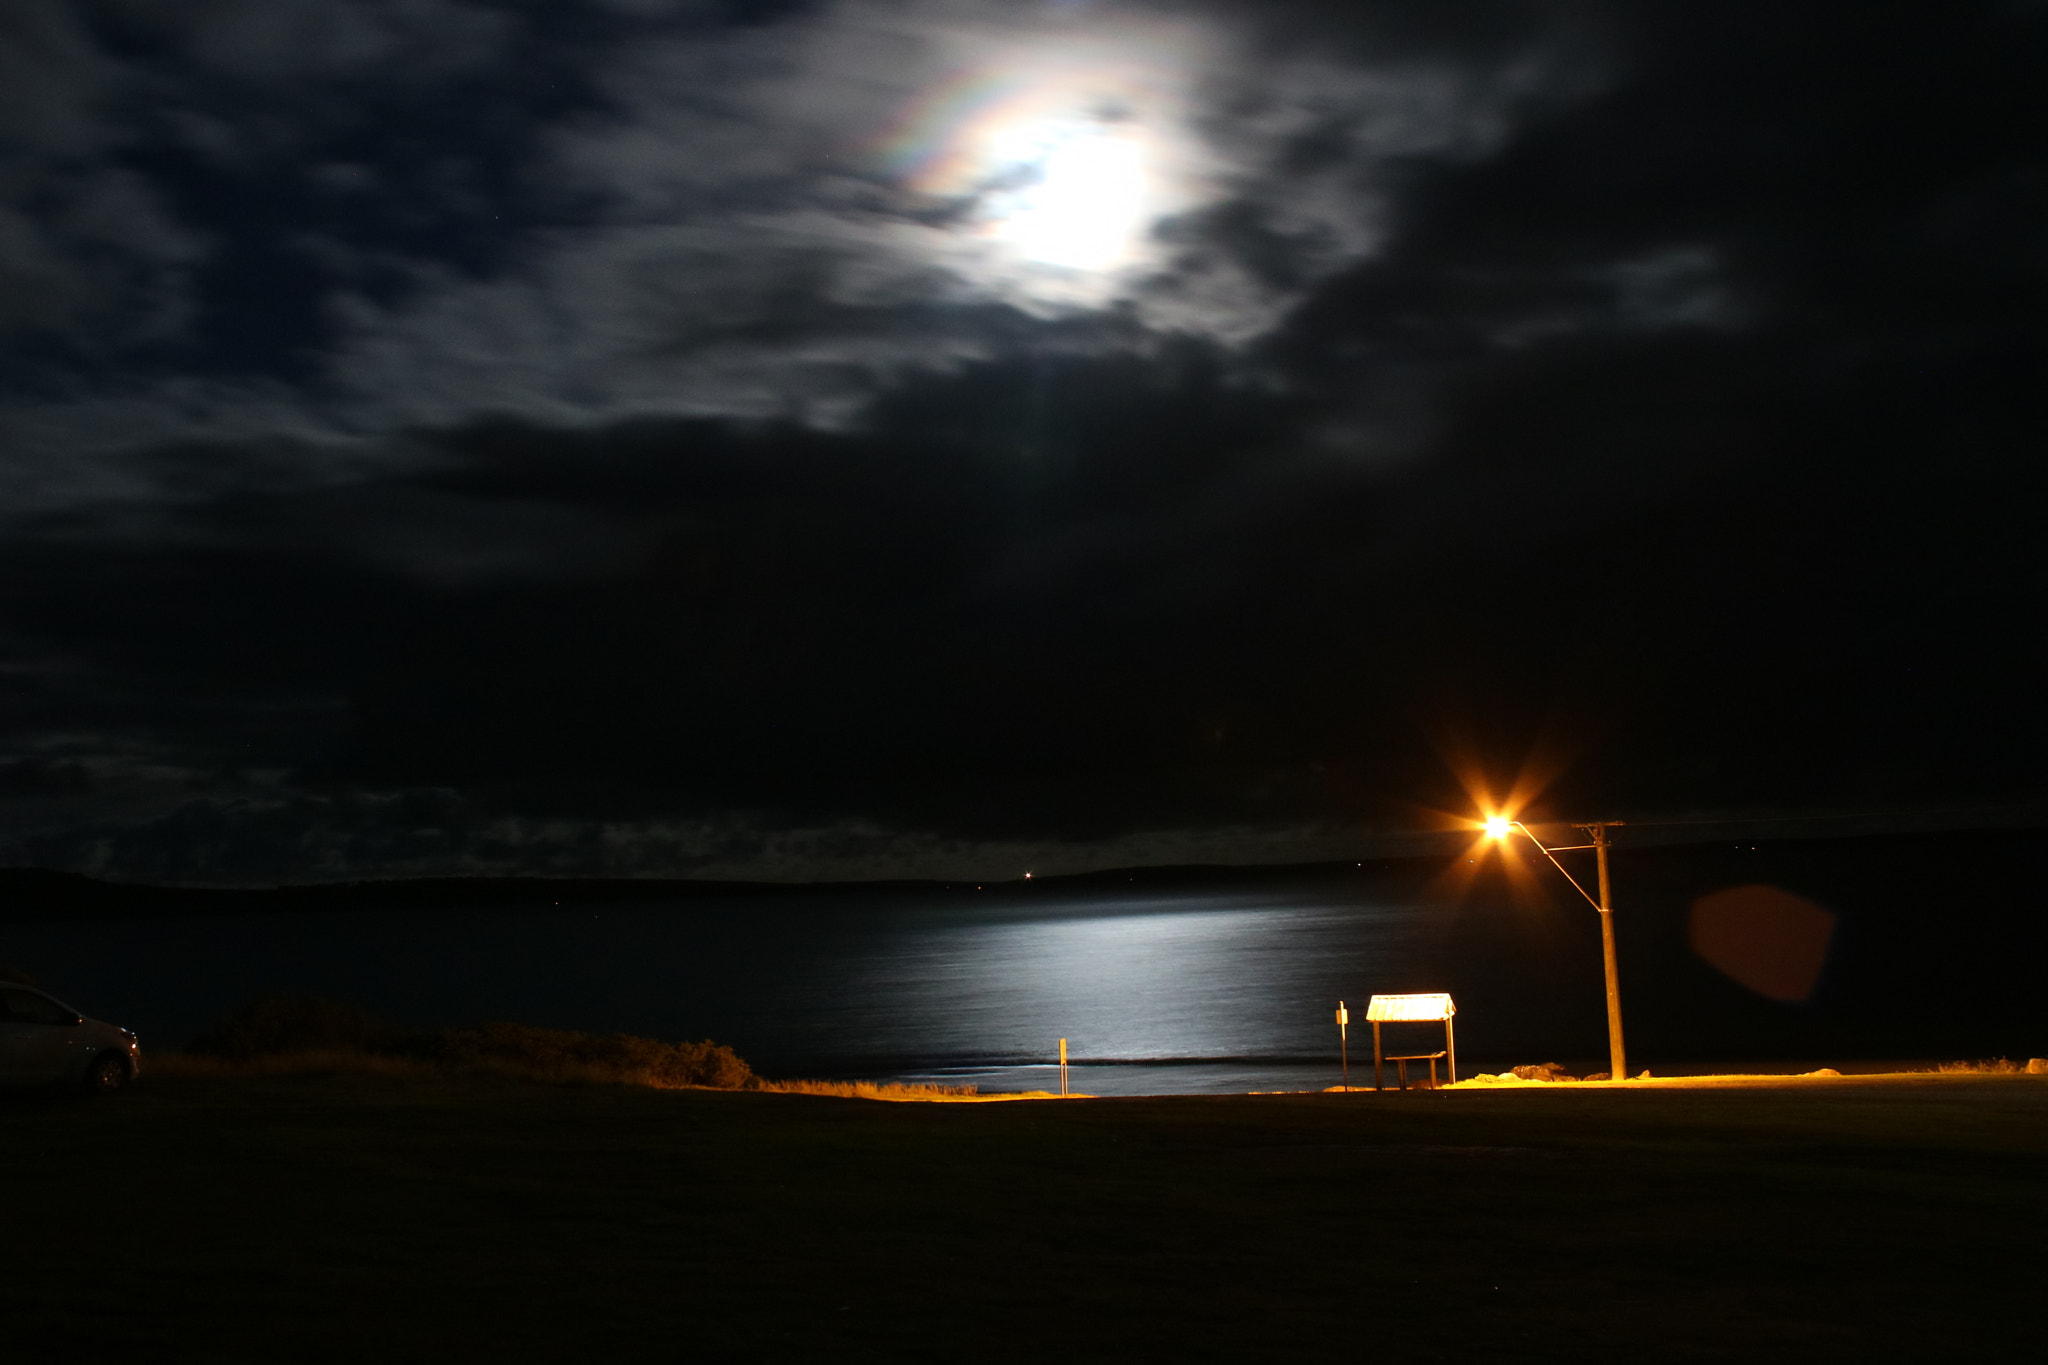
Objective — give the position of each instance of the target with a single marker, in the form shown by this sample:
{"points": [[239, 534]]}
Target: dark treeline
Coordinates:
{"points": [[2000, 867], [37, 894]]}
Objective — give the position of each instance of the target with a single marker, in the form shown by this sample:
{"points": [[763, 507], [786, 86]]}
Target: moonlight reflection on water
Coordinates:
{"points": [[1162, 979]]}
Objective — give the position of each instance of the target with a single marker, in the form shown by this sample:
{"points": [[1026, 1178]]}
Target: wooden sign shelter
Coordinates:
{"points": [[1411, 1009]]}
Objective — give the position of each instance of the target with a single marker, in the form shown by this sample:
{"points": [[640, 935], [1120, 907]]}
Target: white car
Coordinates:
{"points": [[45, 1041]]}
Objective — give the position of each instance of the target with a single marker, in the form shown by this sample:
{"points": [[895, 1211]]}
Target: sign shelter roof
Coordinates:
{"points": [[1403, 1009]]}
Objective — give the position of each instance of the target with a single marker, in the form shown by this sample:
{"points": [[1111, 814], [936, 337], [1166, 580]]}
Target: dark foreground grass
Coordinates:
{"points": [[366, 1218]]}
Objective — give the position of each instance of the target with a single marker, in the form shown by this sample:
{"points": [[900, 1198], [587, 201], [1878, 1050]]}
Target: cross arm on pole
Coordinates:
{"points": [[1551, 854]]}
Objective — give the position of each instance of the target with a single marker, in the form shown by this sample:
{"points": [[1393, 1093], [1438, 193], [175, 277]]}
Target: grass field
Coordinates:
{"points": [[400, 1218]]}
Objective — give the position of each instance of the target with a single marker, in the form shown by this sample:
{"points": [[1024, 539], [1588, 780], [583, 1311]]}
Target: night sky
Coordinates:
{"points": [[938, 438]]}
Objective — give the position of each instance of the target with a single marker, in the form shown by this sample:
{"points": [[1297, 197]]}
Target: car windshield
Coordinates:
{"points": [[27, 1007]]}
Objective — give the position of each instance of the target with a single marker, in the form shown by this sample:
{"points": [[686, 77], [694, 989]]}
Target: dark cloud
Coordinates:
{"points": [[621, 475]]}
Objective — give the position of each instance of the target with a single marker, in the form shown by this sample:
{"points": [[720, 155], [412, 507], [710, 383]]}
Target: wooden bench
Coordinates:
{"points": [[1401, 1066]]}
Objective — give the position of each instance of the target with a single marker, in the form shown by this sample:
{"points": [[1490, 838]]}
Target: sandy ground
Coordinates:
{"points": [[1812, 1080]]}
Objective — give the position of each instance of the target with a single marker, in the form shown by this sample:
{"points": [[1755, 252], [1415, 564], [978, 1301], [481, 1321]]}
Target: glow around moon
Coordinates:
{"points": [[1060, 162]]}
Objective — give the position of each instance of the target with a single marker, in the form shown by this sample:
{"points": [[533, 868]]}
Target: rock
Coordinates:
{"points": [[1547, 1071], [2037, 1066], [1599, 1076], [1644, 1077], [1824, 1071]]}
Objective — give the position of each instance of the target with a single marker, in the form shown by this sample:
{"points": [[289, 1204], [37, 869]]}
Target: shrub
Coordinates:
{"points": [[279, 1024], [306, 1027], [611, 1056]]}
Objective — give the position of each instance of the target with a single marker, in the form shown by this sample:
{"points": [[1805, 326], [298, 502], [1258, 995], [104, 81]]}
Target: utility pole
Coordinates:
{"points": [[1617, 1062], [1500, 827]]}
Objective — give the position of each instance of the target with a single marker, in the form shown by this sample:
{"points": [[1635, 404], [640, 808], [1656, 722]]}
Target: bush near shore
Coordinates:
{"points": [[298, 1034], [295, 1032]]}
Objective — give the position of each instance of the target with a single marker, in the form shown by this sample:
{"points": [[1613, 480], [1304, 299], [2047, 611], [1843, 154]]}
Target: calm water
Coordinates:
{"points": [[1155, 993]]}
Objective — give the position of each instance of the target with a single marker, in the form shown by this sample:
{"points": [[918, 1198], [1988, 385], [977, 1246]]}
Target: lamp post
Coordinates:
{"points": [[1499, 827]]}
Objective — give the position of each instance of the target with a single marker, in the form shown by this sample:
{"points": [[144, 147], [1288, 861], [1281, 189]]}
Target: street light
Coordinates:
{"points": [[1498, 827]]}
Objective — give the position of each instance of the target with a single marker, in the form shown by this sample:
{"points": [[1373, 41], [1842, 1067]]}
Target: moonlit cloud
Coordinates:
{"points": [[789, 218]]}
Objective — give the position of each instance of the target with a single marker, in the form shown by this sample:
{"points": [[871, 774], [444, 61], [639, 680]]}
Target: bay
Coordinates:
{"points": [[1180, 992]]}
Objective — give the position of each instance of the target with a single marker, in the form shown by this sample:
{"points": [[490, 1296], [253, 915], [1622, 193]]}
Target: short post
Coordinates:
{"points": [[1379, 1075], [1451, 1046], [1343, 1044], [1063, 1068]]}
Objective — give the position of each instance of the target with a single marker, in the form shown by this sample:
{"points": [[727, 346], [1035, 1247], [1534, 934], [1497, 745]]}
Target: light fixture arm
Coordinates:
{"points": [[1551, 854]]}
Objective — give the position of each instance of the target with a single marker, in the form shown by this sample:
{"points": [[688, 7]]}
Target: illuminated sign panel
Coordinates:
{"points": [[1408, 1009]]}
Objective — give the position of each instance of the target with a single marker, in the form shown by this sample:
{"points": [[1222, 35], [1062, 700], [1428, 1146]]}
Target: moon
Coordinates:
{"points": [[1078, 200]]}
